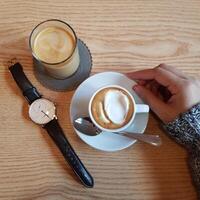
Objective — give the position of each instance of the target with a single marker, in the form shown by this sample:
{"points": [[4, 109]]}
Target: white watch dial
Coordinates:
{"points": [[42, 111]]}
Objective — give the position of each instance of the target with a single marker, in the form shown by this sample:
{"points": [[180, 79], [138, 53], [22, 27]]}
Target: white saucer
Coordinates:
{"points": [[79, 107]]}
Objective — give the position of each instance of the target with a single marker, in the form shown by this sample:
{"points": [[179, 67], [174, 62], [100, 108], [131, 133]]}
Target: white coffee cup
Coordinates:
{"points": [[138, 108]]}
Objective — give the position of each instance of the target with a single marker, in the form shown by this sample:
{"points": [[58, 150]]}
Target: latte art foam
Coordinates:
{"points": [[116, 106], [112, 108]]}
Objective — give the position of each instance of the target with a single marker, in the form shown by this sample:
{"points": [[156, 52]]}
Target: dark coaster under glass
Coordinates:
{"points": [[72, 82]]}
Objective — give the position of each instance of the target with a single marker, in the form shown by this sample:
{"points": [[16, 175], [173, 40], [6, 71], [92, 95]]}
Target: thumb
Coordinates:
{"points": [[157, 105]]}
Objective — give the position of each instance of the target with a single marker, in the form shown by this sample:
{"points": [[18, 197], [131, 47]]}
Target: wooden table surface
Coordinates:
{"points": [[123, 36]]}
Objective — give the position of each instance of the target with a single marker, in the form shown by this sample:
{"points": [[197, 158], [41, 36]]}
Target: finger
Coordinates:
{"points": [[141, 82], [144, 82], [158, 106], [137, 75], [174, 70], [162, 76]]}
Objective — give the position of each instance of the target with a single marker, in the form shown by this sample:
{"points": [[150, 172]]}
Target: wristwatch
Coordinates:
{"points": [[43, 112]]}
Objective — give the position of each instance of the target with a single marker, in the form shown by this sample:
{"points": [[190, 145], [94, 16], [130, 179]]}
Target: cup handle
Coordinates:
{"points": [[142, 108]]}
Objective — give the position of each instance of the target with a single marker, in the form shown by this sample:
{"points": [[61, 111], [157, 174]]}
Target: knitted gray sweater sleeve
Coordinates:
{"points": [[185, 129]]}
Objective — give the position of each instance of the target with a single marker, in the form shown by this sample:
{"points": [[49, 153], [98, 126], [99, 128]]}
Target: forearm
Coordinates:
{"points": [[186, 131]]}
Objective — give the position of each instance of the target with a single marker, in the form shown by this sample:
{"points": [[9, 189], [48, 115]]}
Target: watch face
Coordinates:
{"points": [[42, 111]]}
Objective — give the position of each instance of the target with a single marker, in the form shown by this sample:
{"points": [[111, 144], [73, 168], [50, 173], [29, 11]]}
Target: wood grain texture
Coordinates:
{"points": [[123, 36]]}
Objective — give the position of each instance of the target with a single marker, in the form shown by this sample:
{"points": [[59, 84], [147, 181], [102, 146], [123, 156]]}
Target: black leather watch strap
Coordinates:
{"points": [[56, 133], [28, 90]]}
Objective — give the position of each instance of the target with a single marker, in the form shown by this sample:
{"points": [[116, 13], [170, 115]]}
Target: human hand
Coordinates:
{"points": [[167, 90]]}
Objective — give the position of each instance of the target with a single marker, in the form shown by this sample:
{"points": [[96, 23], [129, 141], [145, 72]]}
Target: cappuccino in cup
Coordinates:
{"points": [[113, 108], [54, 46]]}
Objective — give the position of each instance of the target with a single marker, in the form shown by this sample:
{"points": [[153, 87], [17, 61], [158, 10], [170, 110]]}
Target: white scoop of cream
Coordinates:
{"points": [[116, 106]]}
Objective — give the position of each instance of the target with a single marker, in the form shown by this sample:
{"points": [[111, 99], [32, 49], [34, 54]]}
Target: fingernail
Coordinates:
{"points": [[135, 87]]}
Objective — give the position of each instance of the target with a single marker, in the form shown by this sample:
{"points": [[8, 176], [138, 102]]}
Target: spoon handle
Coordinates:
{"points": [[150, 139]]}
